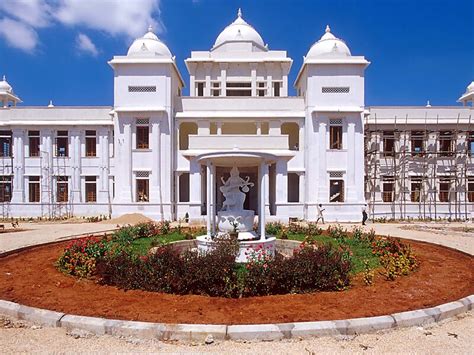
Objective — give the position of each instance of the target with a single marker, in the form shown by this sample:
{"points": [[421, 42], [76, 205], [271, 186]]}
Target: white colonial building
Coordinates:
{"points": [[158, 153]]}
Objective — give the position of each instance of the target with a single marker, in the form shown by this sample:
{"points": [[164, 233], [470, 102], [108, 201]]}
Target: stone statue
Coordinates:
{"points": [[234, 196]]}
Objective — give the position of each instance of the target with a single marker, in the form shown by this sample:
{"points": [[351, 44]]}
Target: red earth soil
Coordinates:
{"points": [[30, 278]]}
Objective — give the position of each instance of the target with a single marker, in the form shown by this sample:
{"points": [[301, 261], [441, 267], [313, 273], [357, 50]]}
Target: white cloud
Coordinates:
{"points": [[18, 35], [23, 18], [32, 12], [115, 17], [85, 44]]}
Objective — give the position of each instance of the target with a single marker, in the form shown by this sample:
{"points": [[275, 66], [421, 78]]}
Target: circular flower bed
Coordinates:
{"points": [[322, 262]]}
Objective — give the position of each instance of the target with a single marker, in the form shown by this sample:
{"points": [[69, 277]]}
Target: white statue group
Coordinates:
{"points": [[231, 189]]}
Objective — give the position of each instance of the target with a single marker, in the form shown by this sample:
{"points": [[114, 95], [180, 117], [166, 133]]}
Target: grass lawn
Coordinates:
{"points": [[142, 245], [360, 250]]}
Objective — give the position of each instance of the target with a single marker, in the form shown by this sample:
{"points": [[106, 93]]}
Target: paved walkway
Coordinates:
{"points": [[454, 334], [37, 233]]}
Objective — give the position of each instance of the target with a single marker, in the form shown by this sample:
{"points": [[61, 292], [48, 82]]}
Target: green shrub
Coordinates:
{"points": [[274, 228], [79, 257]]}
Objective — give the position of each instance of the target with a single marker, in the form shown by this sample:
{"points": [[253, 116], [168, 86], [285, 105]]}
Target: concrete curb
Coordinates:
{"points": [[262, 332]]}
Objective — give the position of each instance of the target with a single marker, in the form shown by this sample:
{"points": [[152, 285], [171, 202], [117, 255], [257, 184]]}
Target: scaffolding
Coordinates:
{"points": [[419, 173]]}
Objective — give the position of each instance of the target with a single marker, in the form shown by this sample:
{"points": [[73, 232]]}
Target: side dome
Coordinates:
{"points": [[5, 87], [239, 31], [329, 46], [148, 45]]}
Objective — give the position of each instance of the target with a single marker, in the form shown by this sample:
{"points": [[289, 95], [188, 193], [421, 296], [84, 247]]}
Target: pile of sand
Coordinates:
{"points": [[130, 218]]}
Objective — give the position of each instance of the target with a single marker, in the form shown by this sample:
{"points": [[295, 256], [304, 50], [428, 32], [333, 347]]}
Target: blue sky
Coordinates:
{"points": [[58, 49]]}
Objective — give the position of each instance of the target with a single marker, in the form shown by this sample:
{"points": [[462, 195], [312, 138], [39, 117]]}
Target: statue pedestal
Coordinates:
{"points": [[243, 219]]}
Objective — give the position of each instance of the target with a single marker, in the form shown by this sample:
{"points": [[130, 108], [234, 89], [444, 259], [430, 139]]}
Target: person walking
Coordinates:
{"points": [[320, 214], [364, 214]]}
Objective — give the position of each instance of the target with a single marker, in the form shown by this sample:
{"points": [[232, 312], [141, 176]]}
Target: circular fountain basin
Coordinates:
{"points": [[247, 247]]}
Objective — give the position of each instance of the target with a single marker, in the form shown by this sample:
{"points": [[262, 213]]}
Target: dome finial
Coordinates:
{"points": [[4, 77], [328, 29], [239, 13], [150, 28], [51, 103]]}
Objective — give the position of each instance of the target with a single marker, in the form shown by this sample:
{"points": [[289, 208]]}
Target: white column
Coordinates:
{"points": [[253, 76], [281, 181], [18, 152], [208, 198], [213, 193], [219, 128], [266, 176], [351, 168], [124, 170], [75, 166], [103, 193], [207, 87], [194, 188], [259, 128], [323, 190], [269, 79], [284, 89], [263, 189], [156, 162], [223, 79], [302, 189]]}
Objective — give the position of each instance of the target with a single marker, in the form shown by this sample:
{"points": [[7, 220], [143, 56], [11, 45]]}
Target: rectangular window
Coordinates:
{"points": [[199, 89], [34, 143], [444, 189], [143, 134], [5, 143], [388, 143], [335, 137], [5, 188], [388, 189], [62, 149], [261, 88], [216, 88], [446, 143], [62, 188], [238, 89], [470, 189], [416, 189], [276, 88], [293, 187], [417, 143], [142, 188], [142, 89], [91, 188], [91, 143], [184, 187], [336, 190], [34, 190], [335, 89]]}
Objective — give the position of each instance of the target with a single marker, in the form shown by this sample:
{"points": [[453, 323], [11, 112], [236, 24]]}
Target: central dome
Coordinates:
{"points": [[239, 31]]}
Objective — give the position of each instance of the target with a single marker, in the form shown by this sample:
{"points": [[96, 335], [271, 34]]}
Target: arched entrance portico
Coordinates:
{"points": [[228, 160]]}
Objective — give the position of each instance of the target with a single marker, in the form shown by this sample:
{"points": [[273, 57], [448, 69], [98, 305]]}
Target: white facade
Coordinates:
{"points": [[163, 155]]}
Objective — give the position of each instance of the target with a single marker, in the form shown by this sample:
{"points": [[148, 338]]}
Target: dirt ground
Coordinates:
{"points": [[444, 275]]}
